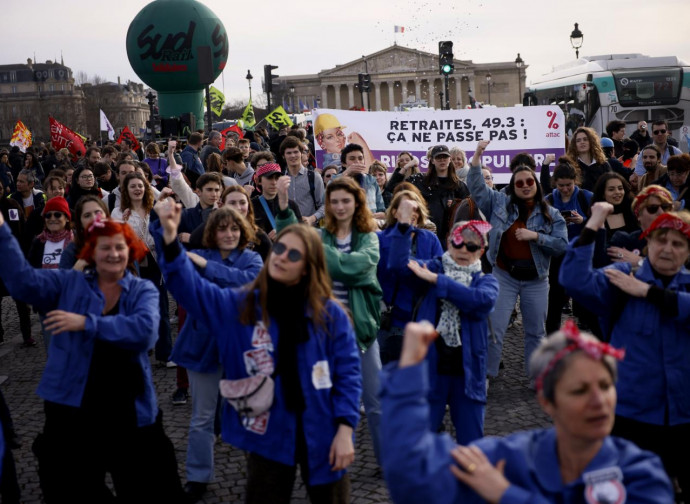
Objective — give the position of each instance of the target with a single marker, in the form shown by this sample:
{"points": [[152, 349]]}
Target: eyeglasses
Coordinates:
{"points": [[659, 132], [85, 177], [471, 247], [652, 209], [53, 215], [293, 255], [521, 183]]}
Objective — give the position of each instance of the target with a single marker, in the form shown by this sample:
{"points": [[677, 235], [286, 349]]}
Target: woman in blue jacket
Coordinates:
{"points": [[574, 462], [399, 297], [646, 310], [525, 234], [227, 262], [457, 300], [287, 325], [103, 323]]}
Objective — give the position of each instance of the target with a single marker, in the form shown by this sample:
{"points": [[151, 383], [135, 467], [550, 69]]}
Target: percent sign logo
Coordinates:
{"points": [[552, 119]]}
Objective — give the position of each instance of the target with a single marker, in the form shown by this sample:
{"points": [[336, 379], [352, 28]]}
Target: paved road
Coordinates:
{"points": [[511, 406]]}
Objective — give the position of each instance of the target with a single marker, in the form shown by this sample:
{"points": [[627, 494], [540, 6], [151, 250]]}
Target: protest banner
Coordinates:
{"points": [[21, 136], [383, 135], [61, 136], [225, 132]]}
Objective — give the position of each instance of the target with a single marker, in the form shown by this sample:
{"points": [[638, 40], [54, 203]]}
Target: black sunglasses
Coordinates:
{"points": [[471, 247], [293, 255], [652, 209], [53, 215], [659, 132]]}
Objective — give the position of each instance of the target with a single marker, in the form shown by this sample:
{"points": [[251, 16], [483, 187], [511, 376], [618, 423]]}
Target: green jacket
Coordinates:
{"points": [[357, 270]]}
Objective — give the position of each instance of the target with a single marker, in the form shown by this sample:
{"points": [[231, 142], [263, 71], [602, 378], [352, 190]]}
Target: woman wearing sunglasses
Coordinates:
{"points": [[526, 233], [47, 248], [459, 298], [649, 204], [285, 324]]}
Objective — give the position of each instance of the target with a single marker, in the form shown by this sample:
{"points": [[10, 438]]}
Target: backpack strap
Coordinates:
{"points": [[312, 187]]}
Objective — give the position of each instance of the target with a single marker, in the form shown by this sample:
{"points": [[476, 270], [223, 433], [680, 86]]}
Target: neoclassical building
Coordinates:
{"points": [[399, 76]]}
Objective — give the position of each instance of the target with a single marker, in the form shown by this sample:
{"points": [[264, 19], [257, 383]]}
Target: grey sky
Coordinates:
{"points": [[305, 36]]}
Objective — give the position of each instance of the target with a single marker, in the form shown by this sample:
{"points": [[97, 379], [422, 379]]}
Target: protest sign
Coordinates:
{"points": [[511, 130], [61, 136]]}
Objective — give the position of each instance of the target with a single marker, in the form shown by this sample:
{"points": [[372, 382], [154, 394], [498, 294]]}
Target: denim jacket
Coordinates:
{"points": [[553, 236]]}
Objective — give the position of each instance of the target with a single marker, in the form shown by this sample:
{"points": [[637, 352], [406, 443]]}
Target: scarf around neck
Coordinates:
{"points": [[449, 322], [64, 235]]}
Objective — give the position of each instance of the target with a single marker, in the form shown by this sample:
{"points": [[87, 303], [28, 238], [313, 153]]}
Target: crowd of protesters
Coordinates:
{"points": [[301, 292]]}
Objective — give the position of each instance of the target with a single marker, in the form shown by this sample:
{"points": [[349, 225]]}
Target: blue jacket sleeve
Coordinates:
{"points": [[41, 288], [234, 276], [202, 299], [475, 301], [137, 329], [585, 284], [416, 462], [555, 242], [485, 197]]}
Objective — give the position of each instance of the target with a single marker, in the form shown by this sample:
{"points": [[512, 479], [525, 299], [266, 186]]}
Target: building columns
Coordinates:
{"points": [[377, 92], [391, 96], [324, 96], [351, 95]]}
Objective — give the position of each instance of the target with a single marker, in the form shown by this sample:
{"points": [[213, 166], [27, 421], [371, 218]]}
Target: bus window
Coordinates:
{"points": [[648, 86]]}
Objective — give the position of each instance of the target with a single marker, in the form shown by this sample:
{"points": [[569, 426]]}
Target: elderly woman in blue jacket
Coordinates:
{"points": [[457, 298], [103, 321], [575, 461], [227, 262], [646, 310], [286, 325], [526, 233]]}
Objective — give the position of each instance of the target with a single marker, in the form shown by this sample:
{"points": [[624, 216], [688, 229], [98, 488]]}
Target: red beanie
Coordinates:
{"points": [[57, 204]]}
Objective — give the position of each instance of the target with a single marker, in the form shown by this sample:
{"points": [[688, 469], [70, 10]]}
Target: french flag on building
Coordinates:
{"points": [[399, 29]]}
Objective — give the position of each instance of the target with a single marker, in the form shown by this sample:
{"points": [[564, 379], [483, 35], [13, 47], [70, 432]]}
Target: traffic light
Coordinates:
{"points": [[364, 82], [445, 57], [268, 77]]}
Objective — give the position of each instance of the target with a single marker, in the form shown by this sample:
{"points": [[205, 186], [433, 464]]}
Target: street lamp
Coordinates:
{"points": [[518, 63], [576, 39], [249, 80], [488, 85], [292, 94]]}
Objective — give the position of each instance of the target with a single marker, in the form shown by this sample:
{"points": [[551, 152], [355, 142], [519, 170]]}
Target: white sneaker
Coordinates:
{"points": [[170, 364]]}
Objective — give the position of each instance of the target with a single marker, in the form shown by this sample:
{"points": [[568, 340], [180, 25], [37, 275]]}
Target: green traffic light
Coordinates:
{"points": [[446, 69]]}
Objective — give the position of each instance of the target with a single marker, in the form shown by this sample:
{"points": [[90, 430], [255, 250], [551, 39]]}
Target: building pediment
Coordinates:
{"points": [[391, 60]]}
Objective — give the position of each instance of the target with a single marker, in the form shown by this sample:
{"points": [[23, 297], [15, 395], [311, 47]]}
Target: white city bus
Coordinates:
{"points": [[630, 87]]}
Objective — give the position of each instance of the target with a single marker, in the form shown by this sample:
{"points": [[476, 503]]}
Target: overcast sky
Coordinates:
{"points": [[305, 36]]}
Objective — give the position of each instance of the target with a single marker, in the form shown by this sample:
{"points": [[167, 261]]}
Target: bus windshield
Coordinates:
{"points": [[648, 86]]}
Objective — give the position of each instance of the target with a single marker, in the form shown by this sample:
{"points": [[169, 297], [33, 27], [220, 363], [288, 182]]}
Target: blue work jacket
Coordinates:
{"points": [[416, 462], [653, 377], [328, 367], [426, 246], [134, 328], [196, 347], [495, 205], [474, 303]]}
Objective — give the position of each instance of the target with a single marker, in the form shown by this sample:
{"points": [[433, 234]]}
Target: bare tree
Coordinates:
{"points": [[81, 78]]}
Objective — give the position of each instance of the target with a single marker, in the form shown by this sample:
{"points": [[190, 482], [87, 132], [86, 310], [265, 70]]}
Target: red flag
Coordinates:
{"points": [[234, 128], [126, 133], [61, 136]]}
